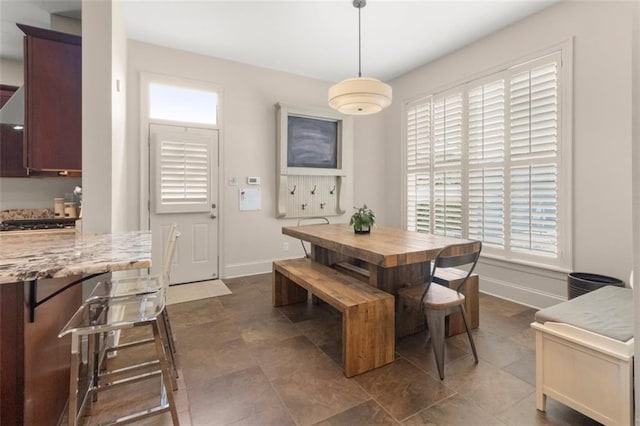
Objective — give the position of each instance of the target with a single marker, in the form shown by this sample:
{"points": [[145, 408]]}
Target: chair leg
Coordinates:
{"points": [[170, 342], [435, 322], [72, 416], [167, 325], [166, 373], [466, 326], [167, 351], [93, 355]]}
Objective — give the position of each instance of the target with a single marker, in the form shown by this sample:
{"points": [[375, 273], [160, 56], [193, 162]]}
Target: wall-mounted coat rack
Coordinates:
{"points": [[313, 146]]}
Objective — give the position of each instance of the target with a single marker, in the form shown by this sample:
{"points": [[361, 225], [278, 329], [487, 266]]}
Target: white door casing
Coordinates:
{"points": [[183, 189]]}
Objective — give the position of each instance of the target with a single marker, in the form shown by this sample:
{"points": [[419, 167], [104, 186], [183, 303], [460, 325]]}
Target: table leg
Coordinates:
{"points": [[391, 279]]}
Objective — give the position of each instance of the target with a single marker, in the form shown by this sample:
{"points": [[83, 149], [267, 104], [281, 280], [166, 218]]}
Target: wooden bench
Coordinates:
{"points": [[368, 316], [452, 277]]}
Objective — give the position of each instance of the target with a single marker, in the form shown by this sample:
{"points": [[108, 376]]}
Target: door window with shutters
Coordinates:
{"points": [[484, 162], [182, 173]]}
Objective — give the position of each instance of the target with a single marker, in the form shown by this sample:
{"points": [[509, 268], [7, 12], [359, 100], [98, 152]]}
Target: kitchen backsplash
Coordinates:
{"points": [[17, 214]]}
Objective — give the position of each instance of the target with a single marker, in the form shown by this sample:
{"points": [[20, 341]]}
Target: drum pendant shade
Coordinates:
{"points": [[360, 95]]}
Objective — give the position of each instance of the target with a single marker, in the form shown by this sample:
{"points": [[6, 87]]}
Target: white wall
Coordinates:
{"points": [[251, 239], [66, 25], [11, 72], [370, 165], [103, 116], [601, 136], [119, 176], [34, 192]]}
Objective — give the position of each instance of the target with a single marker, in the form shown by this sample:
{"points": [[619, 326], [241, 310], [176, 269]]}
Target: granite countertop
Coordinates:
{"points": [[30, 256]]}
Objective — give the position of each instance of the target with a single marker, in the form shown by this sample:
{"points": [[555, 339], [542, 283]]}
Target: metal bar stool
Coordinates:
{"points": [[101, 315], [126, 287]]}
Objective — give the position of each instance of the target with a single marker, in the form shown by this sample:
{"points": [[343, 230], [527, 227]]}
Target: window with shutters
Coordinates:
{"points": [[182, 173], [484, 161]]}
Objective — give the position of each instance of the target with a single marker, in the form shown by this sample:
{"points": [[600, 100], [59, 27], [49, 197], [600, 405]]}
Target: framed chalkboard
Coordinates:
{"points": [[312, 142], [315, 155]]}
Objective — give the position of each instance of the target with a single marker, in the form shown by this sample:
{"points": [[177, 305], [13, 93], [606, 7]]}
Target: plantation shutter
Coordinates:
{"points": [[418, 206], [418, 163], [484, 163], [447, 164], [534, 212], [448, 203], [419, 135], [447, 130], [182, 174], [533, 111], [486, 205], [486, 122]]}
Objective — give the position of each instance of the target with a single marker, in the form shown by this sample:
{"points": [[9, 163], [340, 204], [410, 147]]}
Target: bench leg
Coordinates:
{"points": [[541, 398], [368, 339], [284, 291]]}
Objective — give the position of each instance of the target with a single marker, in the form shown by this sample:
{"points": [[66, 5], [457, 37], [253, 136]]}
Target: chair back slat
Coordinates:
{"points": [[322, 219], [455, 255], [453, 261], [169, 253]]}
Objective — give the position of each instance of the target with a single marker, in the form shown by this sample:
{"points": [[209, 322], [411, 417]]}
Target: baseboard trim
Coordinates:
{"points": [[235, 270]]}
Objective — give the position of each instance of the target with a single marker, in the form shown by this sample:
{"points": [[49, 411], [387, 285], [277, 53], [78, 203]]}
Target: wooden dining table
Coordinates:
{"points": [[393, 257]]}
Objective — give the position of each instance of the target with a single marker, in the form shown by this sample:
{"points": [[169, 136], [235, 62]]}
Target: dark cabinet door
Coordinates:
{"points": [[53, 88], [11, 142]]}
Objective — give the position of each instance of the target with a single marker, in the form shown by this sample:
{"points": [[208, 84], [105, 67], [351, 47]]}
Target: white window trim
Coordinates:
{"points": [[564, 262]]}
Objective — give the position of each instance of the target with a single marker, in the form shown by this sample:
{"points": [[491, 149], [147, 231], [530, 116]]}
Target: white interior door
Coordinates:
{"points": [[184, 189]]}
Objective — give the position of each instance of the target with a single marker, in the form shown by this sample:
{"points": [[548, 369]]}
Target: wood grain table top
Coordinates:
{"points": [[386, 247]]}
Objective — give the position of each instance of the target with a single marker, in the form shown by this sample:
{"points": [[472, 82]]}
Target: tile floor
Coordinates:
{"points": [[243, 362]]}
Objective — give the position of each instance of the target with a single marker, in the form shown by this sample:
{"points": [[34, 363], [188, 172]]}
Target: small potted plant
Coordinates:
{"points": [[362, 220]]}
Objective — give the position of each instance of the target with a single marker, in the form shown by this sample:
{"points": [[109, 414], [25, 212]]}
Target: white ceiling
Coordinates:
{"points": [[317, 39]]}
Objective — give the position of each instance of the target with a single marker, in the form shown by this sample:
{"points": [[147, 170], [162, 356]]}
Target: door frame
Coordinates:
{"points": [[146, 78]]}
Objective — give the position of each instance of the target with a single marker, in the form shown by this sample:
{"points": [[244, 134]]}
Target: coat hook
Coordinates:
{"points": [[304, 206], [293, 191], [313, 191], [332, 190], [322, 205]]}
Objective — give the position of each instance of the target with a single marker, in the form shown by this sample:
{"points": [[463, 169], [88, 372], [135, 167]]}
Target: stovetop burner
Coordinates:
{"points": [[33, 224]]}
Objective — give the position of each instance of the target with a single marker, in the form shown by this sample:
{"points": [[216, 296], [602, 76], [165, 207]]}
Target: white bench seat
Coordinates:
{"points": [[584, 355]]}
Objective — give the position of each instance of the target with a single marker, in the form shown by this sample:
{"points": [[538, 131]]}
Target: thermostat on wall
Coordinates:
{"points": [[253, 180]]}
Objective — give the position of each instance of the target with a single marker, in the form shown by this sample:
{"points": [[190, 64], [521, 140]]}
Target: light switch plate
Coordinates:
{"points": [[233, 181]]}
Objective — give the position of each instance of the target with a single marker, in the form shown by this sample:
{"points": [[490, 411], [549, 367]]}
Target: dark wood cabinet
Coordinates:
{"points": [[6, 92], [34, 362], [53, 100], [11, 142]]}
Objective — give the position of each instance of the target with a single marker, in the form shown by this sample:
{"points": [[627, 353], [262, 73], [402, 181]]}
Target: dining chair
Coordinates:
{"points": [[437, 301], [322, 221]]}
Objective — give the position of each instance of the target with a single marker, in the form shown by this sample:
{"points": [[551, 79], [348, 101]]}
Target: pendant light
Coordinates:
{"points": [[361, 95]]}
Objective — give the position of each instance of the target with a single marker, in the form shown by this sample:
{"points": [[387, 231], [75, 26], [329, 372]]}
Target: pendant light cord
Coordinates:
{"points": [[359, 45]]}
